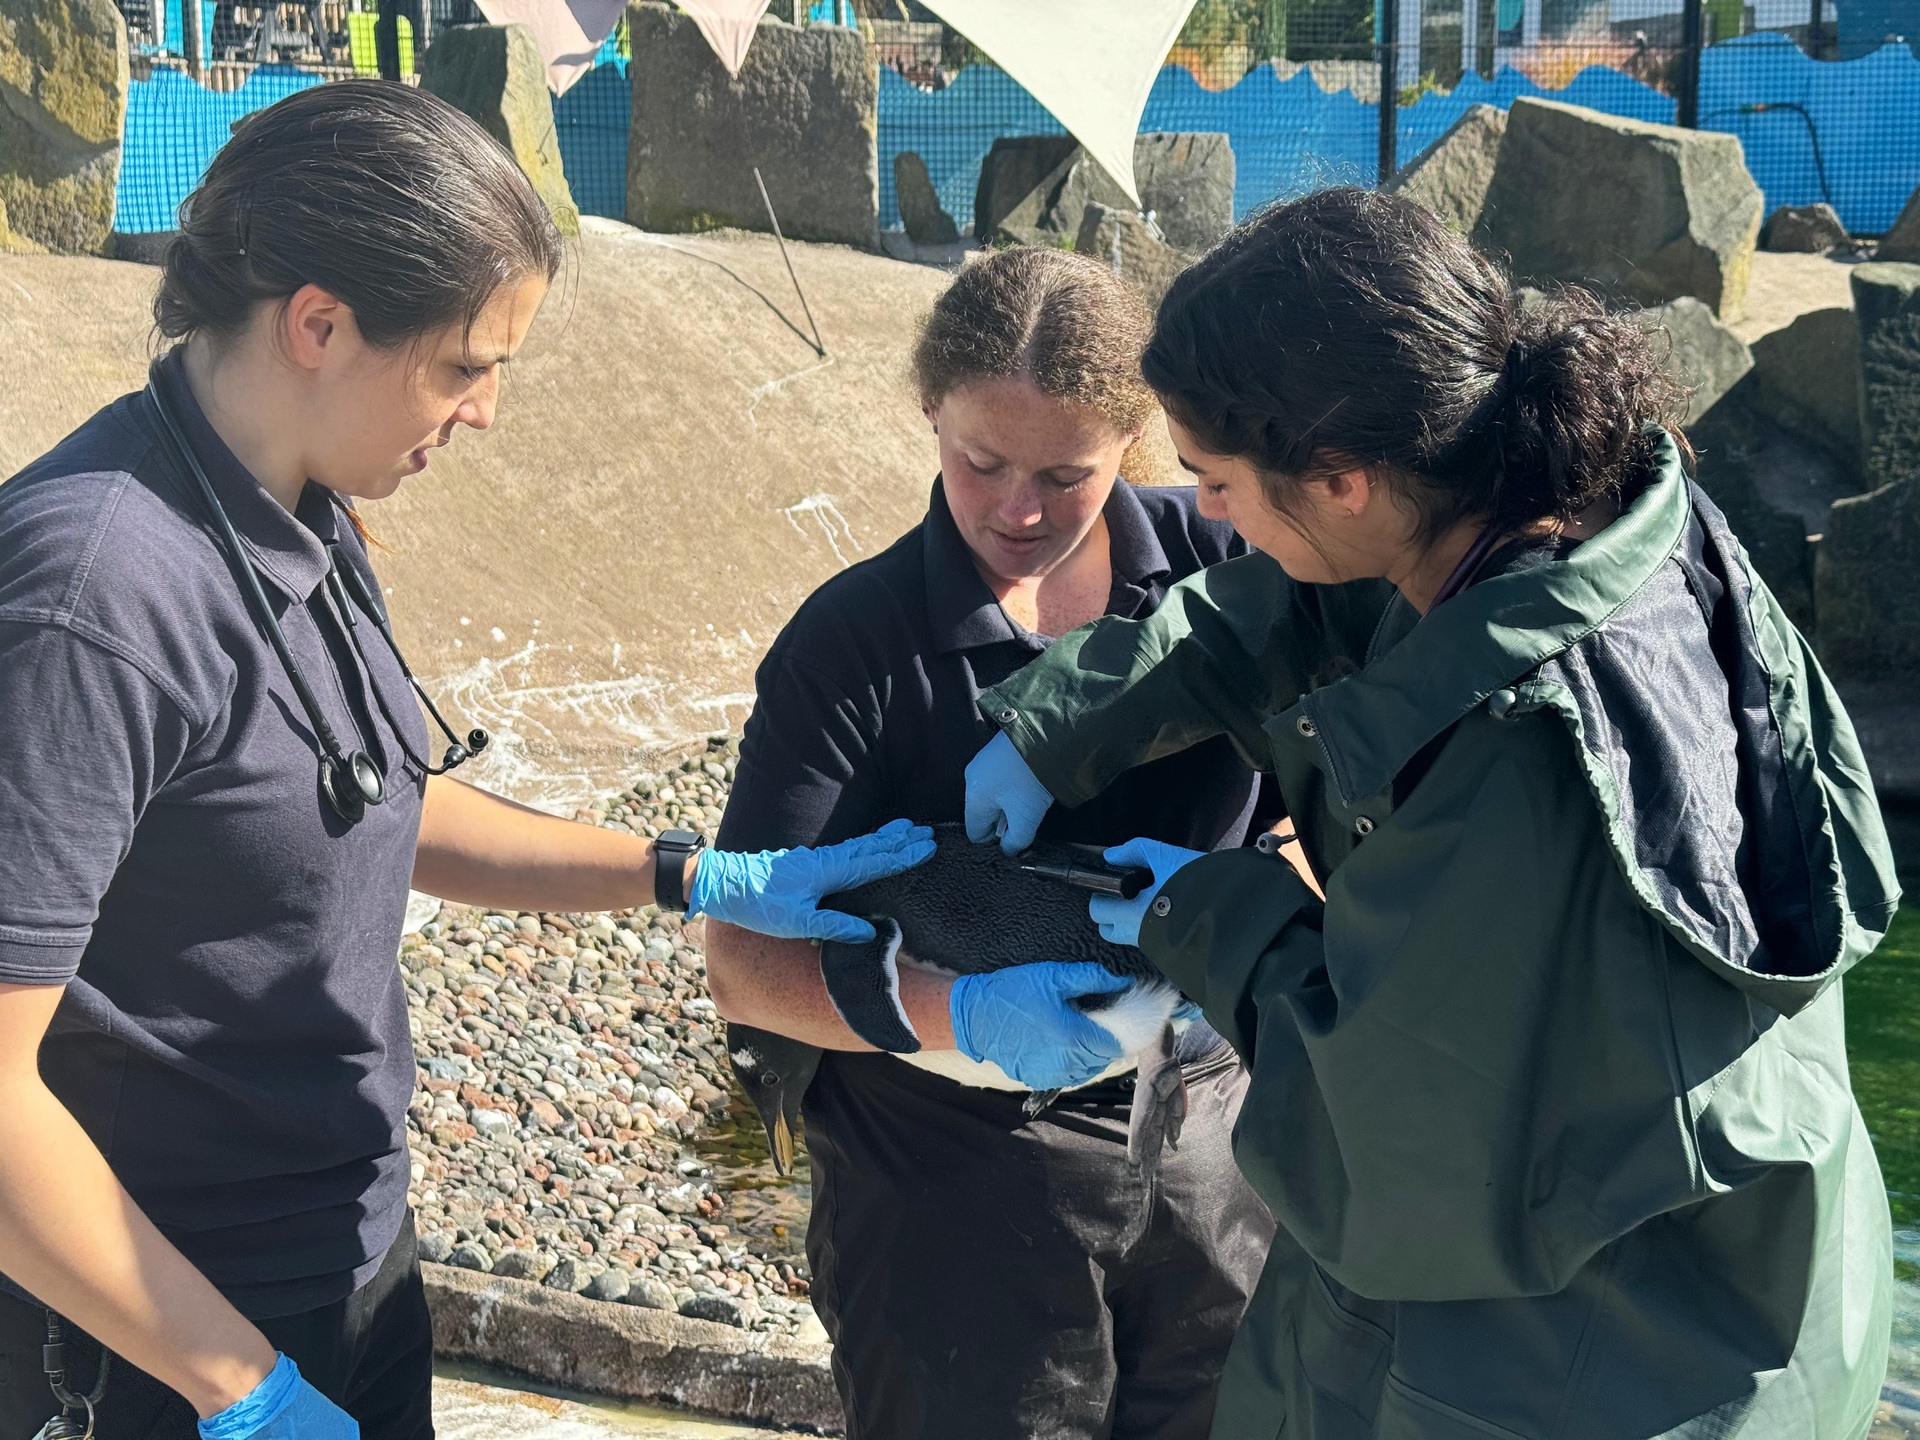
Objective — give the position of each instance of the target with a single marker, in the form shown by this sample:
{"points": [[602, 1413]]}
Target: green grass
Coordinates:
{"points": [[1883, 1050]]}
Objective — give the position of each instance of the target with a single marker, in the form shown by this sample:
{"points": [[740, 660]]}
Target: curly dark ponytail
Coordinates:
{"points": [[1352, 327]]}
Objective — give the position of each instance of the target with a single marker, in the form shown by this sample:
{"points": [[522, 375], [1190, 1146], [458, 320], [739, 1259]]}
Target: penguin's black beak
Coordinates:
{"points": [[780, 1113], [775, 1073]]}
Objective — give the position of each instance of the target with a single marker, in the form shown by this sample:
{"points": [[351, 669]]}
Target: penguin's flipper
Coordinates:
{"points": [[863, 981], [1159, 1104], [774, 1072]]}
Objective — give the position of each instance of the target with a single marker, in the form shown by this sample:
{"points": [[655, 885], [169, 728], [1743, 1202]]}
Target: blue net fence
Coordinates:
{"points": [[1823, 111]]}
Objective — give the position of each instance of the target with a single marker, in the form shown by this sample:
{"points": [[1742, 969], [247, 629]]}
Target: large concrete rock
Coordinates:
{"points": [[63, 100], [1807, 376], [1649, 211], [1803, 230], [630, 1351], [804, 109], [1886, 717], [1886, 300], [1867, 584], [1186, 182], [921, 213], [495, 73], [1902, 241], [1126, 241], [14, 244], [1451, 176], [1013, 169], [1702, 352], [1035, 189], [1777, 489]]}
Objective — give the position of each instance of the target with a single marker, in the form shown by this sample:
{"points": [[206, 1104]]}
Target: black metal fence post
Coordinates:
{"points": [[386, 39], [1693, 32], [1389, 95]]}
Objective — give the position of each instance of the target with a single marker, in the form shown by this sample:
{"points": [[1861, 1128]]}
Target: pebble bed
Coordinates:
{"points": [[569, 1067]]}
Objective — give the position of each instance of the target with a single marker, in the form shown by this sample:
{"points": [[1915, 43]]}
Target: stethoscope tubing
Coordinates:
{"points": [[346, 589]]}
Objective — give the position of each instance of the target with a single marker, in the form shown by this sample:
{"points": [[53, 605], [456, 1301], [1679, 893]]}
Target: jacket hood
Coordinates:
{"points": [[1726, 772]]}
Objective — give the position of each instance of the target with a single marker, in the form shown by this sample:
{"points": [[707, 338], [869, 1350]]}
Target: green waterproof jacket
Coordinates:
{"points": [[1550, 1095]]}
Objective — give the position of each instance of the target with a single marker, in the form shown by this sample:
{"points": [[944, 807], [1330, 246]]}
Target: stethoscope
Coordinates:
{"points": [[351, 780]]}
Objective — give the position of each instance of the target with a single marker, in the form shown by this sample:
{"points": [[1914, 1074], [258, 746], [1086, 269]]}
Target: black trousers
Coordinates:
{"points": [[371, 1354], [983, 1275]]}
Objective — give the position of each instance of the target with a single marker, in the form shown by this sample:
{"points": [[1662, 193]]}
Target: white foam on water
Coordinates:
{"points": [[607, 716], [826, 515], [757, 393]]}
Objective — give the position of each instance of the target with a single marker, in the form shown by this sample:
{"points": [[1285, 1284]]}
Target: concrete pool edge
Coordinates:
{"points": [[631, 1352]]}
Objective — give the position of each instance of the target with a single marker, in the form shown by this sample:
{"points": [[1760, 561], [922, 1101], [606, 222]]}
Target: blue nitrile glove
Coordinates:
{"points": [[1004, 797], [1019, 1019], [1119, 920], [777, 892], [281, 1407]]}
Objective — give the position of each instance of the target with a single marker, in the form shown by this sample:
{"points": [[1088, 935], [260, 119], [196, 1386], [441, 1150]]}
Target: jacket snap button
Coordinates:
{"points": [[1162, 906], [1306, 727], [1363, 826], [1500, 704], [1008, 716]]}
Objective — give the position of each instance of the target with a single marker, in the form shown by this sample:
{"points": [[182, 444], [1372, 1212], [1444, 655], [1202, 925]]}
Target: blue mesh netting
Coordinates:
{"points": [[174, 126], [592, 120], [1846, 131]]}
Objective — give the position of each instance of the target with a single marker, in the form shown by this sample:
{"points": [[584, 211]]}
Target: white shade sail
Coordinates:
{"points": [[568, 32], [1092, 63], [728, 26]]}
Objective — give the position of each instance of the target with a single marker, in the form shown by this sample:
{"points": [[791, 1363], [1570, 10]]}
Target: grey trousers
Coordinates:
{"points": [[984, 1275]]}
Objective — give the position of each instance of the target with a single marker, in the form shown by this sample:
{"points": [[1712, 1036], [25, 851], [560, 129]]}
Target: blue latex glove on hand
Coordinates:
{"points": [[1020, 1019], [1119, 920], [281, 1407], [1004, 797], [777, 892]]}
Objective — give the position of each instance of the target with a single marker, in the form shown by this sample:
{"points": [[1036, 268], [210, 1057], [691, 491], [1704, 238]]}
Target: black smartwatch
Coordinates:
{"points": [[670, 854]]}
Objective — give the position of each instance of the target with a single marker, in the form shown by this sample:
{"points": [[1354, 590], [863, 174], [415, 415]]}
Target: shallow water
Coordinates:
{"points": [[474, 1402]]}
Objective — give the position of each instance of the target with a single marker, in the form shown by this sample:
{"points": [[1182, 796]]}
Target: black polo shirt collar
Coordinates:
{"points": [[290, 550], [962, 611]]}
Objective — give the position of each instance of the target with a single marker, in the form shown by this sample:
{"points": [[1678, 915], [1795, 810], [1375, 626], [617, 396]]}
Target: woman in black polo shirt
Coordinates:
{"points": [[215, 789], [982, 1274]]}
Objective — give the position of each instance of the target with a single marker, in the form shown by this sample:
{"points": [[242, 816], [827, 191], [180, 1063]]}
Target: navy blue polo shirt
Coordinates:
{"points": [[867, 703], [233, 1034]]}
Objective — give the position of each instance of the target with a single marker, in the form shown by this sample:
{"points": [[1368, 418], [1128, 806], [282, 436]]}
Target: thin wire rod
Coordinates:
{"points": [[818, 348]]}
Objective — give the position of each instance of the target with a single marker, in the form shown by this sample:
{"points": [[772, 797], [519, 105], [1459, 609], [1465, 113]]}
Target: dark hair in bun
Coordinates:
{"points": [[1351, 327]]}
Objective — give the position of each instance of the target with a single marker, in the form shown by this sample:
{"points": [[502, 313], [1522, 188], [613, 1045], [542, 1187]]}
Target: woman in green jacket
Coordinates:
{"points": [[1549, 1096]]}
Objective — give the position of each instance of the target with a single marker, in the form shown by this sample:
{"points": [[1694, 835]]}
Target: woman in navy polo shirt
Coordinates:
{"points": [[984, 1275], [215, 790]]}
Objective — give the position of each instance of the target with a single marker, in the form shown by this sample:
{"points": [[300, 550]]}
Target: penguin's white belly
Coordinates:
{"points": [[985, 1075]]}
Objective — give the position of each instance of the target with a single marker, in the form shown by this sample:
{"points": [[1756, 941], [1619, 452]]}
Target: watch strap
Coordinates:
{"points": [[670, 852]]}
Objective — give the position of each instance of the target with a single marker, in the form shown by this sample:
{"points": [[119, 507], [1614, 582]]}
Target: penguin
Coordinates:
{"points": [[969, 909], [775, 1072]]}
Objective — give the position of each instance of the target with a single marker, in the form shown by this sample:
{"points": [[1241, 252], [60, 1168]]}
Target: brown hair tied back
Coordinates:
{"points": [[1066, 323], [383, 195], [1351, 327]]}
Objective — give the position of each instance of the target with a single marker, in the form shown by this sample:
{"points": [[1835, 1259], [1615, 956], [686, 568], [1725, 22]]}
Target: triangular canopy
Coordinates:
{"points": [[1090, 62], [728, 25], [568, 32]]}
